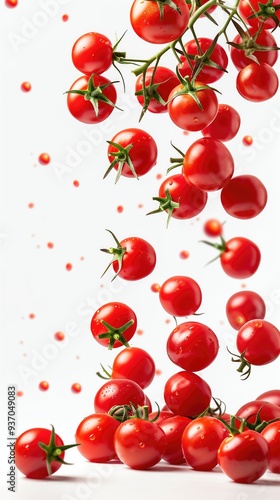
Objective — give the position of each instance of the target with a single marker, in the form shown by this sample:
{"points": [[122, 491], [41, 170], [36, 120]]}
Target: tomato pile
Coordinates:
{"points": [[187, 429]]}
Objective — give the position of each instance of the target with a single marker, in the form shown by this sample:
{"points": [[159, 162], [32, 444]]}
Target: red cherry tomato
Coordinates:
{"points": [[92, 53], [244, 457], [201, 440], [258, 410], [264, 38], [271, 396], [139, 444], [271, 433], [239, 257], [193, 346], [259, 340], [36, 461], [82, 108], [180, 295], [156, 23], [135, 364], [225, 125], [186, 113], [208, 73], [159, 82], [113, 324], [132, 152], [250, 12], [243, 306], [118, 392], [257, 82], [208, 164], [187, 394], [173, 428], [95, 435], [244, 197], [161, 416]]}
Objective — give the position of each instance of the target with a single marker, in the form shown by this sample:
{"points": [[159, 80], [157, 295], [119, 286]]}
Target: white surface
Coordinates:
{"points": [[75, 219]]}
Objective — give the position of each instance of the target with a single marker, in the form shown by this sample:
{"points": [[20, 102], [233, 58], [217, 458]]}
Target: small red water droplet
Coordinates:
{"points": [[140, 205], [247, 140], [19, 394], [155, 287], [158, 371], [184, 254], [119, 209], [44, 385], [30, 205], [59, 336], [44, 158], [76, 388], [76, 183], [11, 3], [65, 18], [25, 86], [50, 244], [139, 332], [159, 176], [68, 266], [31, 315]]}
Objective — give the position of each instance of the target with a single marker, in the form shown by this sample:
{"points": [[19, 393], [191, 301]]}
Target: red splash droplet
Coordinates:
{"points": [[139, 332], [19, 394], [44, 385], [59, 336], [155, 287], [30, 205], [65, 18], [247, 140], [167, 321], [184, 254], [44, 158], [31, 316], [140, 205], [50, 244], [25, 86], [119, 209], [158, 371], [68, 266], [159, 176], [76, 388], [76, 183], [11, 3]]}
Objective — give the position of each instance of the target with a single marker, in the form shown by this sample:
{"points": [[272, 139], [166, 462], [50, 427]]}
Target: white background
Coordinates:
{"points": [[36, 47]]}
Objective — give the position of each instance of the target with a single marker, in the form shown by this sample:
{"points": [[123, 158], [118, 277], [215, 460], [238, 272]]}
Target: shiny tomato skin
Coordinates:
{"points": [[92, 53], [244, 457], [180, 295], [225, 125], [201, 440], [191, 200], [187, 394], [271, 433], [118, 392], [259, 340], [193, 346], [161, 416], [82, 109], [257, 82], [264, 410], [208, 164], [247, 9], [265, 39], [271, 396], [244, 197], [165, 79], [143, 153], [95, 435], [30, 459], [135, 364], [241, 258], [138, 261], [173, 428], [208, 74], [139, 444], [115, 314], [243, 306], [185, 112], [146, 21]]}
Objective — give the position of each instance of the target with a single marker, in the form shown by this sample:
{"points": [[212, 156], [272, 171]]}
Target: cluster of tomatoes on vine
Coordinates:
{"points": [[187, 430]]}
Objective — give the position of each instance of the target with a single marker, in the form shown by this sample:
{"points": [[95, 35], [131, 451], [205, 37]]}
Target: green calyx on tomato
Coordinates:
{"points": [[165, 204], [94, 94], [266, 11], [219, 246], [117, 252], [53, 452], [162, 3], [244, 363], [121, 157], [249, 44], [191, 88], [115, 334], [128, 412]]}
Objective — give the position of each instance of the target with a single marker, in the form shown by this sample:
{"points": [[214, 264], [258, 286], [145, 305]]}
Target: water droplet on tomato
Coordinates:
{"points": [[141, 445], [92, 437]]}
